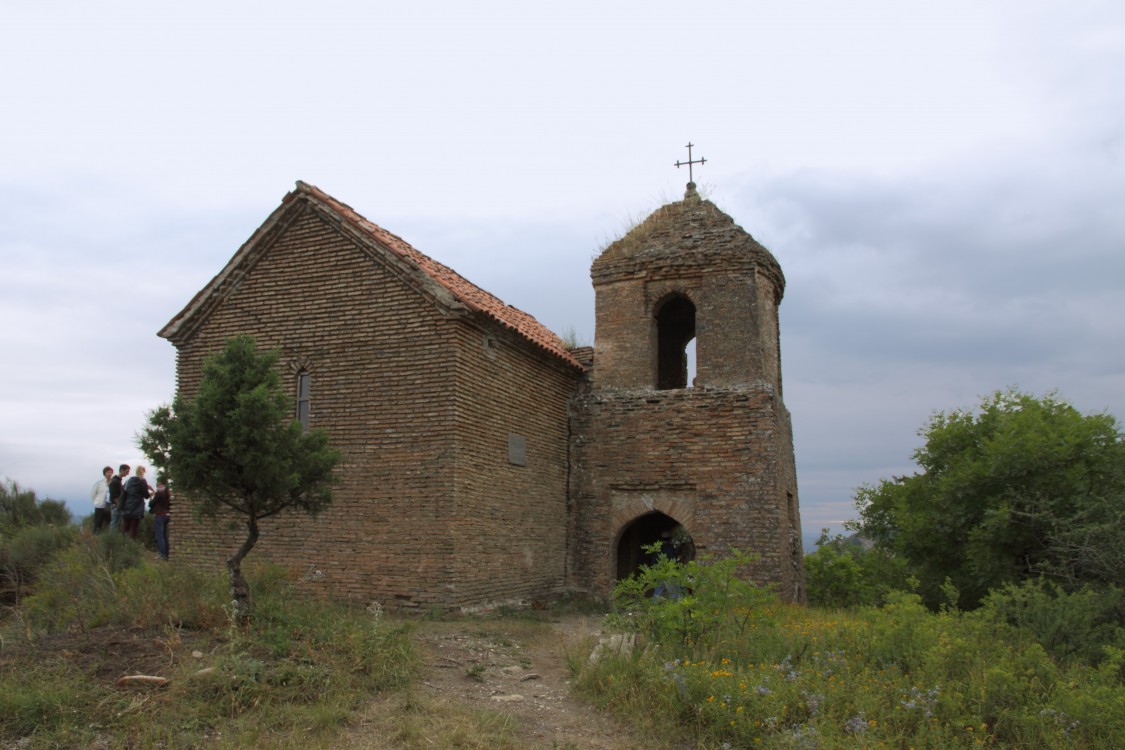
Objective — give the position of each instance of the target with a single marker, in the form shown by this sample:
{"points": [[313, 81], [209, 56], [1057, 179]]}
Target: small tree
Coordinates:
{"points": [[236, 446]]}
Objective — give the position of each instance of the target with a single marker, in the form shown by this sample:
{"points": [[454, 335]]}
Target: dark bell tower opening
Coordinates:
{"points": [[675, 329]]}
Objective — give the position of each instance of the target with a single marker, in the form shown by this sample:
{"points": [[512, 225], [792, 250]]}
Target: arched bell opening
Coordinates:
{"points": [[651, 528], [675, 330]]}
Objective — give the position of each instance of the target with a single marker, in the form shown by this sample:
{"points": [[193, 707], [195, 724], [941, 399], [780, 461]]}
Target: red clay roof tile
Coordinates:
{"points": [[463, 290]]}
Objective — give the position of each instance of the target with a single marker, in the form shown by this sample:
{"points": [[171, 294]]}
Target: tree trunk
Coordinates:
{"points": [[239, 588]]}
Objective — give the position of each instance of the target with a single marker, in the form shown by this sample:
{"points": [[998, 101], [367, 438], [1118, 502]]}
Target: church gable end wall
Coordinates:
{"points": [[381, 367]]}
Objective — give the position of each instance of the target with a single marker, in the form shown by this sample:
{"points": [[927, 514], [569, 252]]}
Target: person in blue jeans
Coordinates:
{"points": [[117, 496], [667, 551], [161, 507]]}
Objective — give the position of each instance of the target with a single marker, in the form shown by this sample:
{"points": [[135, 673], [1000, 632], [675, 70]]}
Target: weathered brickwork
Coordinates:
{"points": [[508, 520], [482, 461], [714, 461], [428, 511], [716, 457]]}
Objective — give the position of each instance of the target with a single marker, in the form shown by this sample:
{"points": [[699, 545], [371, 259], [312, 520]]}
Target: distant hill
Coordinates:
{"points": [[808, 541], [808, 538]]}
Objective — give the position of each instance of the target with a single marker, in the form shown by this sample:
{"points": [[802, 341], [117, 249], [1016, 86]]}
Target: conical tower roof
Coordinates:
{"points": [[688, 237]]}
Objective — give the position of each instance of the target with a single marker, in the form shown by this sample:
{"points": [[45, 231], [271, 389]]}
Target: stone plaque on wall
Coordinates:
{"points": [[517, 450]]}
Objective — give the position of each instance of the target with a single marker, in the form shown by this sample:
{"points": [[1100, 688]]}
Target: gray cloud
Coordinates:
{"points": [[945, 199]]}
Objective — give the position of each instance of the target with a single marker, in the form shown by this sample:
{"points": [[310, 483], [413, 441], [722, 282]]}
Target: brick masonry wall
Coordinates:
{"points": [[510, 521], [384, 366], [717, 457], [423, 400], [712, 459]]}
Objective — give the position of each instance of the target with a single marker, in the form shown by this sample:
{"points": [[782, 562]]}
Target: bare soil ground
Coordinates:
{"points": [[511, 675]]}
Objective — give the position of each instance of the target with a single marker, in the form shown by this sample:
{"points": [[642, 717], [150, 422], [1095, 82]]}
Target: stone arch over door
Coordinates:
{"points": [[644, 530]]}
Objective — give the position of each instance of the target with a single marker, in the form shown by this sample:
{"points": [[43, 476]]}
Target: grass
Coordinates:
{"points": [[304, 673], [411, 721], [743, 670], [295, 677], [725, 665]]}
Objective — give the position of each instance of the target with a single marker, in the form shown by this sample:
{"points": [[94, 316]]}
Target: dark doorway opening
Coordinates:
{"points": [[650, 528]]}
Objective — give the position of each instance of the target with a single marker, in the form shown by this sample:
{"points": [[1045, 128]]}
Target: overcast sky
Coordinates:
{"points": [[942, 183]]}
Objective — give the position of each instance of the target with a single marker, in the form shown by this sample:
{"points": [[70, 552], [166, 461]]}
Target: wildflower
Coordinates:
{"points": [[856, 725]]}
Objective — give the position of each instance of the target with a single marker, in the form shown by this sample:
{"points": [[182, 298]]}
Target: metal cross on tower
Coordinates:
{"points": [[689, 163]]}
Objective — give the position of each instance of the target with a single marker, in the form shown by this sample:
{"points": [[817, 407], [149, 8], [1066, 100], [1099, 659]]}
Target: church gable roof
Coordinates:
{"points": [[443, 283]]}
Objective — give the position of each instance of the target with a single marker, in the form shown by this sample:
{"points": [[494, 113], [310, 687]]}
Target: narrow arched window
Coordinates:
{"points": [[675, 329], [303, 399]]}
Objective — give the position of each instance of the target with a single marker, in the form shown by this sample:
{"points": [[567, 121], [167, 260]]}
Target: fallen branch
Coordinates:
{"points": [[142, 679]]}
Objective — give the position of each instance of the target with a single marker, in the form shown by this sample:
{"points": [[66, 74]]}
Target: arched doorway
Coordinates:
{"points": [[650, 529]]}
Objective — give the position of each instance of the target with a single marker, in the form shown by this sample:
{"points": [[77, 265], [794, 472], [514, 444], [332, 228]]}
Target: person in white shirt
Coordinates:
{"points": [[99, 494]]}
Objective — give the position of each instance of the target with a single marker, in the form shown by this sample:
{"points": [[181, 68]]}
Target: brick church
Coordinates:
{"points": [[484, 461]]}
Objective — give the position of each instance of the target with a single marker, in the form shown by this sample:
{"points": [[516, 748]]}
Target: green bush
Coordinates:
{"points": [[843, 573], [20, 508], [25, 553], [1069, 625], [75, 588], [697, 604], [181, 596], [117, 552]]}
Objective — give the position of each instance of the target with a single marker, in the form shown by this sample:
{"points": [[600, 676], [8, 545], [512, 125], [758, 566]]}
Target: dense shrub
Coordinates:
{"points": [[20, 508], [843, 572], [689, 603], [25, 553], [1070, 625]]}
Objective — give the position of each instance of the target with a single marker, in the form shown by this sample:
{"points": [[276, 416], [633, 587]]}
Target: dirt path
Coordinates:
{"points": [[495, 684]]}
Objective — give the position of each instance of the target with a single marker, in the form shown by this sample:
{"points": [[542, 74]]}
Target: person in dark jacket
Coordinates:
{"points": [[116, 484], [161, 506], [135, 493]]}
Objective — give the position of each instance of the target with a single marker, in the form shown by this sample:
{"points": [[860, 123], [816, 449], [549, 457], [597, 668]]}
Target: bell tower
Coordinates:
{"points": [[661, 448]]}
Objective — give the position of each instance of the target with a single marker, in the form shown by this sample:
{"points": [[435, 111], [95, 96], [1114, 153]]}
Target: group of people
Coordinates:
{"points": [[119, 504]]}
